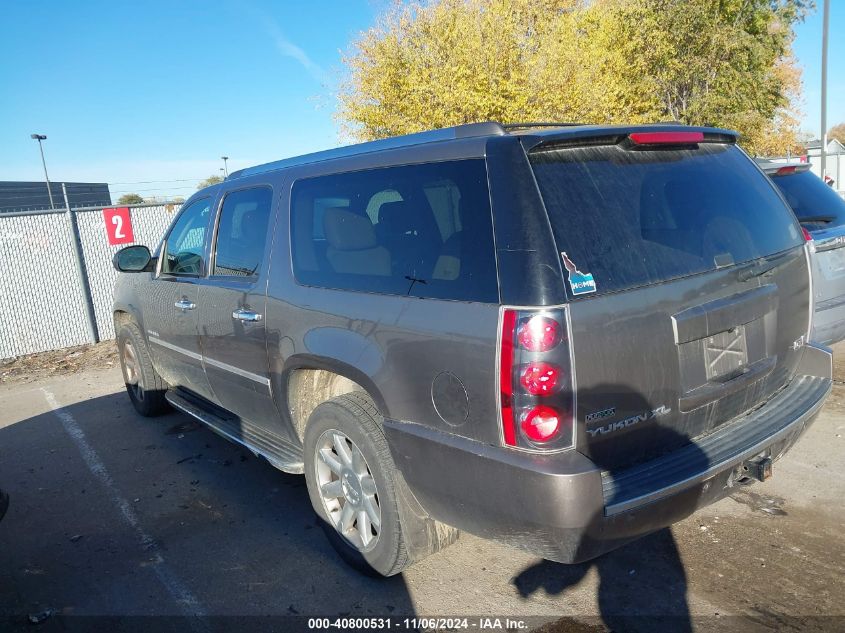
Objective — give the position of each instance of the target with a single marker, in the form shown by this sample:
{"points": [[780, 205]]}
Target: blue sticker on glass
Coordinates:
{"points": [[580, 283]]}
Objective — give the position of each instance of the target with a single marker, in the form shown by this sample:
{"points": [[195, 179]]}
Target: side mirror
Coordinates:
{"points": [[132, 259]]}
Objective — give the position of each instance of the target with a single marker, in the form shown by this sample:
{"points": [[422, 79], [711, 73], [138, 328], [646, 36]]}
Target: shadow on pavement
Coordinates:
{"points": [[642, 585], [165, 518]]}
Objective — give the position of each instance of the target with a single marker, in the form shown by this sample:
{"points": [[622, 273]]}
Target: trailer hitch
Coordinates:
{"points": [[759, 468]]}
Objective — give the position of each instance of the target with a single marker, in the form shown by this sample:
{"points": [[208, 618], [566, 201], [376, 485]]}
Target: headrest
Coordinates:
{"points": [[399, 217], [346, 231]]}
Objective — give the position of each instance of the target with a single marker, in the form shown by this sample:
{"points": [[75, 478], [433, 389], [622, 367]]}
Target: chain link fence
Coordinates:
{"points": [[42, 304]]}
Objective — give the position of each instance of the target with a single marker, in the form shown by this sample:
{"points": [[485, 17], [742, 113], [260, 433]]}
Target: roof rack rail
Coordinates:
{"points": [[519, 126], [468, 130]]}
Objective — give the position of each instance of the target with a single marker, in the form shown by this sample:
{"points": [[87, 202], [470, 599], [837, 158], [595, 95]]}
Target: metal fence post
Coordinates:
{"points": [[80, 270]]}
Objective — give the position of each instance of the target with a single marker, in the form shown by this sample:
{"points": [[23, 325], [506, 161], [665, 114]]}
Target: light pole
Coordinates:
{"points": [[225, 166], [39, 138], [825, 23]]}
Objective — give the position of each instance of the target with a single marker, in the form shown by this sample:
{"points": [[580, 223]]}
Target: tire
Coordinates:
{"points": [[354, 420], [145, 387]]}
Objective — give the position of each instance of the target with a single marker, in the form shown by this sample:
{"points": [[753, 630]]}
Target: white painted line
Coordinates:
{"points": [[175, 587]]}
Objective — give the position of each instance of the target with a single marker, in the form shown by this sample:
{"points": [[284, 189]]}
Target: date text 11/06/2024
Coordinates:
{"points": [[420, 623]]}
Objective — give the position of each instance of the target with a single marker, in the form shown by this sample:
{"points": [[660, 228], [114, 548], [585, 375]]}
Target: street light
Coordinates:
{"points": [[225, 166], [825, 26], [39, 138]]}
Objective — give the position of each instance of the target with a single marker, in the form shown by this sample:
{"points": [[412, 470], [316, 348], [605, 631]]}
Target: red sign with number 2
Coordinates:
{"points": [[119, 226]]}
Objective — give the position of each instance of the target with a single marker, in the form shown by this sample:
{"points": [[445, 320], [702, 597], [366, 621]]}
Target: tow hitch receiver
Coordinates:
{"points": [[759, 468]]}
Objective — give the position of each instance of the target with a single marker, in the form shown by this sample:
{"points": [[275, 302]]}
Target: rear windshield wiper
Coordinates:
{"points": [[760, 268], [817, 219]]}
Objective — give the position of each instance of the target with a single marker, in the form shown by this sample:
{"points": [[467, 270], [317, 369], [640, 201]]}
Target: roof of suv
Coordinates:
{"points": [[534, 133]]}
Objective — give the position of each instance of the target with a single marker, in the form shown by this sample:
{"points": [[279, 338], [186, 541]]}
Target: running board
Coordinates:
{"points": [[276, 450]]}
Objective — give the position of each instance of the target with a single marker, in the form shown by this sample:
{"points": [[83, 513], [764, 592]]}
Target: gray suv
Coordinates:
{"points": [[821, 213], [562, 338]]}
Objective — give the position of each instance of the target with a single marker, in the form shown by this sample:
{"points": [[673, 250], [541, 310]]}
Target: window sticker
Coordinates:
{"points": [[580, 283]]}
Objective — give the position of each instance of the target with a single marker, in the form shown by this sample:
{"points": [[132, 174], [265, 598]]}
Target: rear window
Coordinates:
{"points": [[816, 205], [626, 218]]}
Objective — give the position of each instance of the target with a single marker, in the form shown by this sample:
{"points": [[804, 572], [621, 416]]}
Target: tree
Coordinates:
{"points": [[837, 132], [447, 62], [211, 180], [130, 198]]}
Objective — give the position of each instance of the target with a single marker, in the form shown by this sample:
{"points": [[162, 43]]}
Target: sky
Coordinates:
{"points": [[148, 96]]}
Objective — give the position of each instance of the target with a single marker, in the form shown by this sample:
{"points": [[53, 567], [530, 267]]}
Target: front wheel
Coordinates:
{"points": [[145, 387], [352, 482]]}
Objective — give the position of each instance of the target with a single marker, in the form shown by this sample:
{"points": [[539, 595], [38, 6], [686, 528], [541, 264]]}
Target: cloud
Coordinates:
{"points": [[289, 49]]}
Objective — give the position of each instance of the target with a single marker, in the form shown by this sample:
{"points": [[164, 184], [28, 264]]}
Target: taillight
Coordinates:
{"points": [[807, 236], [540, 424], [538, 333], [539, 379], [536, 381], [783, 171]]}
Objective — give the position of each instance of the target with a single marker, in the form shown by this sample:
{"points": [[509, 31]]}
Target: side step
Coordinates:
{"points": [[275, 449]]}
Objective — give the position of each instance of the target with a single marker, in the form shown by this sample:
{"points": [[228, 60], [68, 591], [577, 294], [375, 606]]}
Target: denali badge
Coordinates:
{"points": [[634, 419], [600, 415]]}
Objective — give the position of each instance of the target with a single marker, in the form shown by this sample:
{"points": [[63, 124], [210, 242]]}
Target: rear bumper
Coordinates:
{"points": [[564, 508]]}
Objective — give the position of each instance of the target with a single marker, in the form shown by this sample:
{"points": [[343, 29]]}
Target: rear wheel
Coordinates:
{"points": [[352, 482], [143, 384]]}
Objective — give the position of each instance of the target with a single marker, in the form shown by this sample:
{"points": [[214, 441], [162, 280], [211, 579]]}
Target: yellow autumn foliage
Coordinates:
{"points": [[447, 62]]}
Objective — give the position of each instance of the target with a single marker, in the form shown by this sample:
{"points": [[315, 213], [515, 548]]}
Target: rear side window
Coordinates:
{"points": [[242, 232], [816, 205], [419, 230], [627, 218]]}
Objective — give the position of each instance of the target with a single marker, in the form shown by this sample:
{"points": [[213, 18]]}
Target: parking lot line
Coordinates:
{"points": [[174, 586]]}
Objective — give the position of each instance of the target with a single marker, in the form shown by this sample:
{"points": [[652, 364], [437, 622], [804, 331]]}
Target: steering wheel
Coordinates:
{"points": [[190, 263]]}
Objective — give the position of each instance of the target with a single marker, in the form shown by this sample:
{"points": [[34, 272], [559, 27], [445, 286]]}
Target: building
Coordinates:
{"points": [[833, 160], [32, 196]]}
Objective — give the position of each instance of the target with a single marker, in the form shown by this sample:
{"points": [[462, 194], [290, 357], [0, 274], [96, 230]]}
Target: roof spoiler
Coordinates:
{"points": [[634, 136]]}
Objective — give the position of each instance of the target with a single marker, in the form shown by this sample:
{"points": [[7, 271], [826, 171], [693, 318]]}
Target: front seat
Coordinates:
{"points": [[352, 246], [409, 232]]}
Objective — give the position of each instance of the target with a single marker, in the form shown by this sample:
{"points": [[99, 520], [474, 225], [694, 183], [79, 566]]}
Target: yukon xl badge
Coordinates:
{"points": [[580, 283], [610, 427]]}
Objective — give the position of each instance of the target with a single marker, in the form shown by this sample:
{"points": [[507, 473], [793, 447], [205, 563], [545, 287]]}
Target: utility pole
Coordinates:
{"points": [[39, 138], [81, 275], [225, 166], [825, 25]]}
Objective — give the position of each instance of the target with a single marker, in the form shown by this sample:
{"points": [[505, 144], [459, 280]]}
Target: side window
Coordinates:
{"points": [[183, 249], [419, 230], [242, 232]]}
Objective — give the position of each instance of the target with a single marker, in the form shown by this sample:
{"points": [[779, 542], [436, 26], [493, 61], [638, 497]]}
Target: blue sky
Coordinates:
{"points": [[136, 92]]}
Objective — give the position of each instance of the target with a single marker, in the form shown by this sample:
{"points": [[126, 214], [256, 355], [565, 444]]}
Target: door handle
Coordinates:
{"points": [[246, 315], [185, 304]]}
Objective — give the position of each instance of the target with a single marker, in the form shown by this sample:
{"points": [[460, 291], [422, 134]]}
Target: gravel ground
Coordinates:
{"points": [[58, 362]]}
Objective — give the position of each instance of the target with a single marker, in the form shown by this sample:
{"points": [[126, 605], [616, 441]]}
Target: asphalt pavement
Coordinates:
{"points": [[113, 515]]}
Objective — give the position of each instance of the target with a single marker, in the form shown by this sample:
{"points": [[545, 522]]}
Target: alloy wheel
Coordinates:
{"points": [[347, 489]]}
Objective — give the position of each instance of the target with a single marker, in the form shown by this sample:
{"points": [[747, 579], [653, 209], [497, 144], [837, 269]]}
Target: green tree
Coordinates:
{"points": [[837, 132], [447, 62], [130, 198], [211, 180]]}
